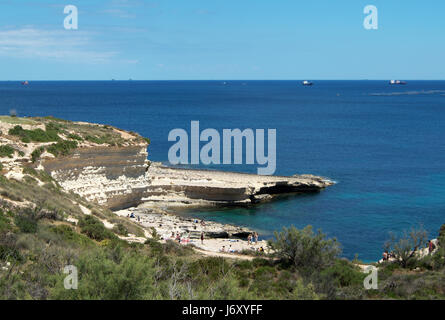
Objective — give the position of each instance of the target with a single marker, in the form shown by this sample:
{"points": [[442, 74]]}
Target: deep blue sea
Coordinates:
{"points": [[383, 145]]}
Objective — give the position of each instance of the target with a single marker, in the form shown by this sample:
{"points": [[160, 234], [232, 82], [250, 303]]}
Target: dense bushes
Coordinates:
{"points": [[405, 247], [120, 229], [109, 275], [63, 147], [304, 249], [344, 273], [74, 136], [50, 134], [6, 151], [110, 268], [95, 229], [36, 135], [26, 221]]}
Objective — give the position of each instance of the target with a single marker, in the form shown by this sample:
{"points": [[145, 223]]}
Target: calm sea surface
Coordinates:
{"points": [[383, 145]]}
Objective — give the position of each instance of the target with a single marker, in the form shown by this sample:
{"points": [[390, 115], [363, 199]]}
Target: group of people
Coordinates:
{"points": [[132, 216], [229, 249], [251, 237], [388, 255], [180, 239]]}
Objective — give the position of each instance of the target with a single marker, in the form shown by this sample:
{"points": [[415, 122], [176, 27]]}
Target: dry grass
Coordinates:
{"points": [[17, 120]]}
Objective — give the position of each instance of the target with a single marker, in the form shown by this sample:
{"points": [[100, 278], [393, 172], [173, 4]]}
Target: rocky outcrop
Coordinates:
{"points": [[170, 187], [112, 176], [165, 224], [110, 166], [120, 177]]}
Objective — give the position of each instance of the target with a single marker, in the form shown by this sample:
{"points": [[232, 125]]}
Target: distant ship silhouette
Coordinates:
{"points": [[397, 82]]}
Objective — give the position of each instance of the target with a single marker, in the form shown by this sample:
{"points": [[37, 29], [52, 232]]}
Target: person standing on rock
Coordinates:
{"points": [[256, 237], [202, 237], [431, 246]]}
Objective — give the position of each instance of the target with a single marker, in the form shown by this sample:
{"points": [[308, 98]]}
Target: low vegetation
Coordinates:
{"points": [[62, 148], [304, 249], [6, 151], [36, 243], [60, 137], [38, 248], [35, 135]]}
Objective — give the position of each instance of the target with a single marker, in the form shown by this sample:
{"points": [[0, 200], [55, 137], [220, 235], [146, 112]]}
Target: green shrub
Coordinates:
{"points": [[26, 221], [40, 174], [6, 151], [344, 273], [74, 136], [213, 268], [30, 180], [5, 223], [62, 148], [95, 229], [128, 276], [36, 135], [54, 127], [406, 246], [68, 234], [171, 247], [35, 155], [120, 229], [302, 292], [155, 247], [9, 250], [304, 249]]}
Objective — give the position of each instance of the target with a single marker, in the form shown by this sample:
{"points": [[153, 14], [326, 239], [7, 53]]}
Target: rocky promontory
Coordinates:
{"points": [[110, 166], [175, 187]]}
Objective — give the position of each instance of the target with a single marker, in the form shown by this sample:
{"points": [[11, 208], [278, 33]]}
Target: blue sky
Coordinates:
{"points": [[216, 39]]}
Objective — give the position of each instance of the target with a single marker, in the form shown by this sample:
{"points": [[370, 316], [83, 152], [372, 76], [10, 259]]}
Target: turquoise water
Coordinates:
{"points": [[383, 145]]}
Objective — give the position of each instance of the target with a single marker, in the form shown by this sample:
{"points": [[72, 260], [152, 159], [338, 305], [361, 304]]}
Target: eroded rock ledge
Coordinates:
{"points": [[170, 187], [112, 176], [121, 177]]}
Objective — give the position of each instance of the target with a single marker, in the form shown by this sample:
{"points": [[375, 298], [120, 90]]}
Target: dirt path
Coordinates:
{"points": [[224, 255]]}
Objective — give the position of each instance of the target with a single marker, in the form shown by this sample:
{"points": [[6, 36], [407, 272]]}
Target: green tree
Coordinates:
{"points": [[406, 246], [305, 249]]}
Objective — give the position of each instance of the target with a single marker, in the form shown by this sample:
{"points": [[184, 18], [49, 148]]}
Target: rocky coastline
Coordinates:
{"points": [[109, 167]]}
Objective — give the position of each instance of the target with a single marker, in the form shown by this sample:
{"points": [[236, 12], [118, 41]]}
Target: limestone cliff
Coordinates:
{"points": [[112, 176], [110, 166], [169, 187]]}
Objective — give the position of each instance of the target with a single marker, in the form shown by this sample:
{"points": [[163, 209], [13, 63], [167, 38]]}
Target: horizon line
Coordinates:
{"points": [[126, 80]]}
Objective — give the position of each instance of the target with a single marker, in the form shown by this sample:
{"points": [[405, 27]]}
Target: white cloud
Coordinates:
{"points": [[30, 42]]}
